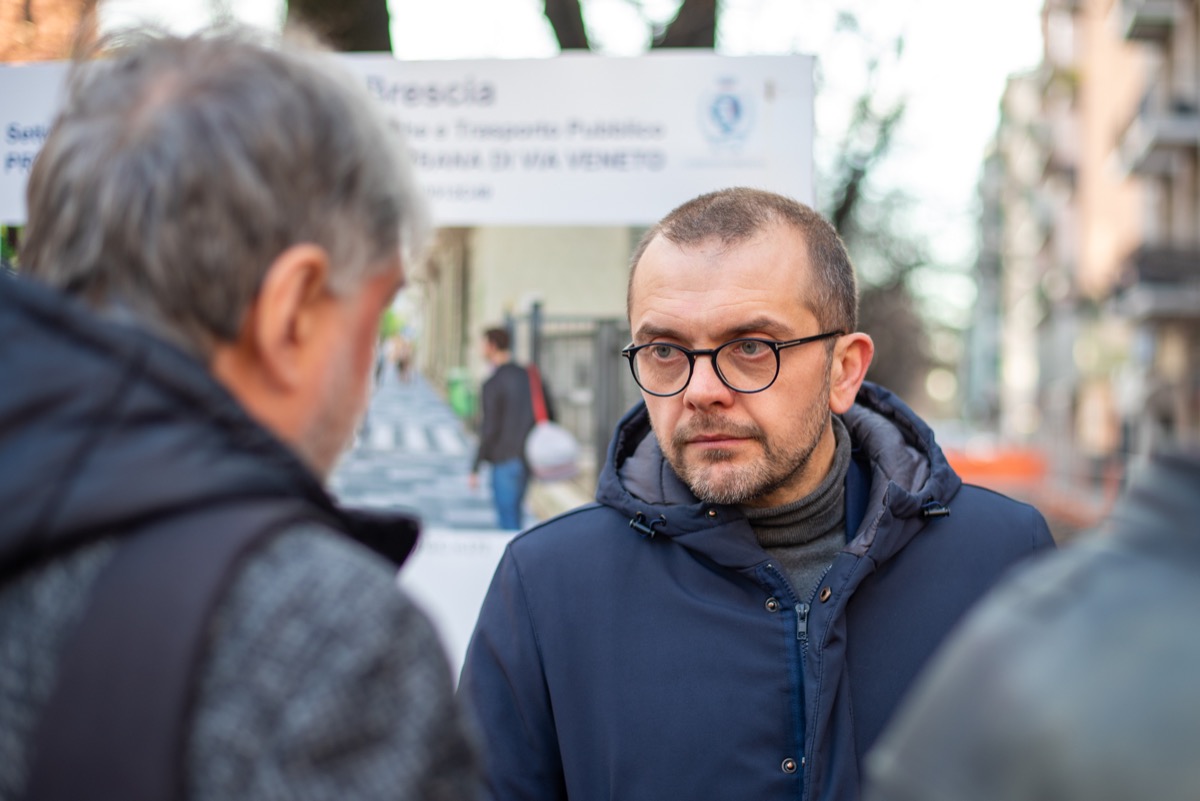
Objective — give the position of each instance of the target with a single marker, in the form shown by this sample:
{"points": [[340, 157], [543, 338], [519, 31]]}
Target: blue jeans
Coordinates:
{"points": [[509, 480]]}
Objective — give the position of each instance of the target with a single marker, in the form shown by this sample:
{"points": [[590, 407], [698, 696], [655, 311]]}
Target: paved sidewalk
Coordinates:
{"points": [[415, 453]]}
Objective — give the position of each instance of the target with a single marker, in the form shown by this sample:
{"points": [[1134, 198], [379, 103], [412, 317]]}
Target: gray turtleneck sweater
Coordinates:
{"points": [[805, 535]]}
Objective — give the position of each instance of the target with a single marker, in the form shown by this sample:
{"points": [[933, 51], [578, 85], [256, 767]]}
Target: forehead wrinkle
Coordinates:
{"points": [[760, 324]]}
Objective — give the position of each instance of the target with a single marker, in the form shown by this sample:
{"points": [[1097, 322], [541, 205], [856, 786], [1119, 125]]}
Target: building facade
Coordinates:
{"points": [[1159, 287], [1091, 240]]}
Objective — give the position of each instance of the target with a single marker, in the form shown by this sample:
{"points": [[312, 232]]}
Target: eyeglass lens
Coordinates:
{"points": [[746, 365]]}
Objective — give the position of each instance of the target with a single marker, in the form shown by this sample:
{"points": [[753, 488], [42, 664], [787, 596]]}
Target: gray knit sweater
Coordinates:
{"points": [[322, 681]]}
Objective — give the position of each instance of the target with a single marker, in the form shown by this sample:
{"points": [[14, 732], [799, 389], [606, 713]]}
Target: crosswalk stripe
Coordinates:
{"points": [[414, 439], [448, 440], [381, 436]]}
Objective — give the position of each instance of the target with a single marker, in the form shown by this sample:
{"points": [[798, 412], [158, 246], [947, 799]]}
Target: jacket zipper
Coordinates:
{"points": [[802, 612], [803, 609]]}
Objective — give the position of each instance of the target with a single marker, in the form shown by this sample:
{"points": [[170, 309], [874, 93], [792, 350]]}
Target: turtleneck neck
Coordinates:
{"points": [[805, 535]]}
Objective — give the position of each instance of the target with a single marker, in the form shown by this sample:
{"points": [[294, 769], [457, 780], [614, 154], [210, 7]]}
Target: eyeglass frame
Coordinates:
{"points": [[630, 351]]}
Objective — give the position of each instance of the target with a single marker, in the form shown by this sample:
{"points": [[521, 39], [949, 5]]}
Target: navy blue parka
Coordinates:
{"points": [[646, 646]]}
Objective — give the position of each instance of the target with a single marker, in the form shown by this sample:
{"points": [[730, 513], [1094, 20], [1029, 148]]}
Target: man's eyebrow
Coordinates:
{"points": [[653, 332], [759, 325]]}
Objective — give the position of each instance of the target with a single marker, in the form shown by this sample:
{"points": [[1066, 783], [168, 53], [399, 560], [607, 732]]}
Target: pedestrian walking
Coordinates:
{"points": [[402, 355], [216, 224], [506, 418], [777, 548], [1076, 678]]}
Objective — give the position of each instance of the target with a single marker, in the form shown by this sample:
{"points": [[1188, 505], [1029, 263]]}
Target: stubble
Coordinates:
{"points": [[714, 478]]}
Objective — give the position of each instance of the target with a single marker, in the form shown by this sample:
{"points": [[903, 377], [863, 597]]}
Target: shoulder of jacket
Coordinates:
{"points": [[318, 655], [994, 501], [311, 589], [313, 566], [575, 528], [310, 542]]}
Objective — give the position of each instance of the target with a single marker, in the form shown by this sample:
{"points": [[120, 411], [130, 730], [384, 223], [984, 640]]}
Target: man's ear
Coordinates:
{"points": [[851, 357], [286, 315]]}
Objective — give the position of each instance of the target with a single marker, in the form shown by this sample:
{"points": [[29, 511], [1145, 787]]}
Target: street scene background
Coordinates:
{"points": [[1016, 182]]}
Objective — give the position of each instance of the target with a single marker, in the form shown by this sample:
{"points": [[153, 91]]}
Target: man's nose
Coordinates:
{"points": [[706, 387]]}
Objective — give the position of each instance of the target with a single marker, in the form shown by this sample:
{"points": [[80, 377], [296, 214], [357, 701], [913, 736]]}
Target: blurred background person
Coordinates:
{"points": [[1075, 680], [402, 355], [506, 418]]}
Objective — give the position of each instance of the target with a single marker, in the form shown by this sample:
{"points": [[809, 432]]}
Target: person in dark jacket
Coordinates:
{"points": [[506, 418], [777, 546], [1075, 679], [216, 225]]}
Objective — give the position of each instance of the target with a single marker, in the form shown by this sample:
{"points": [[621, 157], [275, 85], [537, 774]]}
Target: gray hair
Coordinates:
{"points": [[736, 214], [178, 169]]}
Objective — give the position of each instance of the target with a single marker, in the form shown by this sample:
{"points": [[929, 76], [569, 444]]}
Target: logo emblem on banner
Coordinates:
{"points": [[726, 114]]}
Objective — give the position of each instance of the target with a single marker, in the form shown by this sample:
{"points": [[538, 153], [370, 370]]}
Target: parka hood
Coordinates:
{"points": [[902, 450], [104, 427], [909, 475]]}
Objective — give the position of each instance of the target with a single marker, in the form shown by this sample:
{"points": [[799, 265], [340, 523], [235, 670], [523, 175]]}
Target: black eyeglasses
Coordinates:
{"points": [[746, 365]]}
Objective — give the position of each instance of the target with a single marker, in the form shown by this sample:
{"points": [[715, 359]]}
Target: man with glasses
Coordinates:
{"points": [[777, 549]]}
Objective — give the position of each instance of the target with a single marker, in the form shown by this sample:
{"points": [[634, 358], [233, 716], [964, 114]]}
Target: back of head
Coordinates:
{"points": [[498, 338], [179, 168], [736, 214]]}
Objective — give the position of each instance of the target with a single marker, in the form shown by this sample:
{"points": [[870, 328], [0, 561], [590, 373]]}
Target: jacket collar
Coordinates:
{"points": [[107, 427], [907, 474]]}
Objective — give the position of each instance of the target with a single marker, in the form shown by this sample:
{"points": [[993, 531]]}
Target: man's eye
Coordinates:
{"points": [[749, 347], [663, 352]]}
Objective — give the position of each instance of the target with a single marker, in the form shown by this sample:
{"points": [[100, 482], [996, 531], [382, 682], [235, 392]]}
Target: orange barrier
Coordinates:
{"points": [[1024, 474], [1019, 465]]}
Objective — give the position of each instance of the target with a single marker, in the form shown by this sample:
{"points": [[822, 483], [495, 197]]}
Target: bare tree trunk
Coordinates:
{"points": [[694, 25], [566, 18], [889, 313], [361, 26], [857, 163]]}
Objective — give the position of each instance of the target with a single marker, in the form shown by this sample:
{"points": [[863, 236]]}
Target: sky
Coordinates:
{"points": [[952, 72]]}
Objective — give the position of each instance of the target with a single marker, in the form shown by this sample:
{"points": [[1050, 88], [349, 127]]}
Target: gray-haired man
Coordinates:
{"points": [[215, 228]]}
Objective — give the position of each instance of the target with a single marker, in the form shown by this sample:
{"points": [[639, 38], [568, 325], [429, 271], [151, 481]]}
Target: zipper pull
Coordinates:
{"points": [[801, 621]]}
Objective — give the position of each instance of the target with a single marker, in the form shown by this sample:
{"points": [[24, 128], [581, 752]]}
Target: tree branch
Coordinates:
{"points": [[694, 25], [566, 18], [357, 26]]}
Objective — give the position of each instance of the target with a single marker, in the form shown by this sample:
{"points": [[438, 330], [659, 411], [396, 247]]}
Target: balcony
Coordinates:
{"points": [[1160, 283], [1148, 20], [1155, 138]]}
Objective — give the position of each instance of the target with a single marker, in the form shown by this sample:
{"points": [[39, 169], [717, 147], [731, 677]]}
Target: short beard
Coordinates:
{"points": [[768, 473]]}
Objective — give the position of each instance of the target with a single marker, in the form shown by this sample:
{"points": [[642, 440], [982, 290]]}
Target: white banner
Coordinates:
{"points": [[578, 139], [29, 97]]}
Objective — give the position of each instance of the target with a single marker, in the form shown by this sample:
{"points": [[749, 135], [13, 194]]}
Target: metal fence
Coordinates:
{"points": [[588, 381]]}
